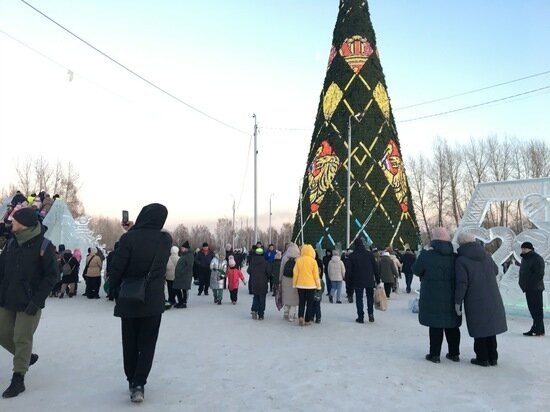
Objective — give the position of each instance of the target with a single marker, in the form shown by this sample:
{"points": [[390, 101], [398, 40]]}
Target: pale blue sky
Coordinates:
{"points": [[234, 58]]}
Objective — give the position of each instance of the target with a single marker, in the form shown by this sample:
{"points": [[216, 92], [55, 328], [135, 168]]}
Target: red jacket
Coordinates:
{"points": [[233, 276]]}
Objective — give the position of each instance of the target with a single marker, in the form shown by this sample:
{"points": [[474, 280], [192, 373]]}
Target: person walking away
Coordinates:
{"points": [[204, 258], [28, 272], [171, 275], [388, 272], [306, 279], [259, 271], [336, 271], [326, 260], [218, 267], [317, 299], [68, 265], [531, 282], [347, 264], [436, 269], [143, 253], [408, 261], [183, 275], [364, 276], [234, 275], [275, 270], [289, 294], [476, 286], [93, 274]]}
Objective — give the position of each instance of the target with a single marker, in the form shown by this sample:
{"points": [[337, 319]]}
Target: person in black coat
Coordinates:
{"points": [[204, 258], [531, 275], [324, 269], [476, 285], [408, 260], [364, 275], [28, 272], [436, 269], [142, 251], [260, 272], [347, 265]]}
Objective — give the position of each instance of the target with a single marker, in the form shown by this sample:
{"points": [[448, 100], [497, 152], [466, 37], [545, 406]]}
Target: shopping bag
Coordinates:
{"points": [[380, 299]]}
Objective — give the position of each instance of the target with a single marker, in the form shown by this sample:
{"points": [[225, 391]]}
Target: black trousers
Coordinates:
{"points": [[486, 348], [349, 290], [171, 291], [534, 303], [92, 287], [369, 293], [408, 280], [305, 303], [204, 280], [233, 294], [387, 288], [258, 304], [453, 340], [317, 309], [181, 295], [139, 339]]}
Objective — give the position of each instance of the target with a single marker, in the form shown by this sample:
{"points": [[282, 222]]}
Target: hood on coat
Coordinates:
{"points": [[442, 247], [307, 250], [151, 216], [358, 244], [384, 253], [472, 250], [293, 251], [175, 250], [335, 258]]}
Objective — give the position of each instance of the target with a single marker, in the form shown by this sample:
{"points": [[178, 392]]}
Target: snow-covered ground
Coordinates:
{"points": [[216, 358]]}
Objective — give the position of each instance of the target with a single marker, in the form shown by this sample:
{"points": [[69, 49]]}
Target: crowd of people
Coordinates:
{"points": [[147, 274]]}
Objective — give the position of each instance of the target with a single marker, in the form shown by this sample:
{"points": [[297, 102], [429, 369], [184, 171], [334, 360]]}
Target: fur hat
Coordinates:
{"points": [[186, 245], [231, 261], [26, 216]]}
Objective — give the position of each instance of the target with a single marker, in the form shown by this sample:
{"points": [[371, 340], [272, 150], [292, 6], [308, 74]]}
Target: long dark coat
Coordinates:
{"points": [[531, 272], [259, 271], [436, 270], [364, 271], [135, 256], [184, 271], [476, 285]]}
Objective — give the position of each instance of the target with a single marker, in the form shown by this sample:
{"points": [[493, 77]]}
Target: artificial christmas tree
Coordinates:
{"points": [[355, 96]]}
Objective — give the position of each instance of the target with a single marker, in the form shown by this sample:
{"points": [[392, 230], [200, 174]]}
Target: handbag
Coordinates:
{"points": [[132, 289], [380, 299]]}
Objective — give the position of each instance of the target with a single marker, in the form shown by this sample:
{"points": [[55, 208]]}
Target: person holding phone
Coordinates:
{"points": [[142, 251]]}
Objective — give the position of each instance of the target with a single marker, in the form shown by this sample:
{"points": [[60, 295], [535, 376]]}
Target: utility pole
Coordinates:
{"points": [[348, 186], [270, 196], [255, 179], [233, 230]]}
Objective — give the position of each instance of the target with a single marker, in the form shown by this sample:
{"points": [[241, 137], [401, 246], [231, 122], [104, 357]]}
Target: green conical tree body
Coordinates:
{"points": [[355, 88]]}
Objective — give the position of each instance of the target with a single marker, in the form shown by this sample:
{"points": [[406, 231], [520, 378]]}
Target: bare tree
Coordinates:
{"points": [[24, 176], [417, 167], [109, 229], [224, 229], [180, 234], [438, 178], [42, 174], [200, 234], [454, 160]]}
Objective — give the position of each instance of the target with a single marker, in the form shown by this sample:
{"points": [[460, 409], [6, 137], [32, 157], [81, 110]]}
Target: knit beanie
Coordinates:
{"points": [[26, 216]]}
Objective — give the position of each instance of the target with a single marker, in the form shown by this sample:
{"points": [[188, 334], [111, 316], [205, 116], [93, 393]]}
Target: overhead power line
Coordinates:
{"points": [[150, 83], [472, 91], [474, 105]]}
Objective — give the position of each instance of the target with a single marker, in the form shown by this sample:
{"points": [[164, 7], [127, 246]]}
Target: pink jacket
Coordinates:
{"points": [[233, 276]]}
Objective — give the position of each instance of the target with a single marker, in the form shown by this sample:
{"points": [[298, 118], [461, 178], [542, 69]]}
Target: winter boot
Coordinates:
{"points": [[433, 358], [16, 387], [34, 359], [330, 299], [476, 361], [137, 394], [454, 358], [254, 315], [301, 321], [371, 318]]}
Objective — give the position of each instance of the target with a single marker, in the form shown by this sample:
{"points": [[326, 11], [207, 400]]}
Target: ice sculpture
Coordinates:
{"points": [[533, 195]]}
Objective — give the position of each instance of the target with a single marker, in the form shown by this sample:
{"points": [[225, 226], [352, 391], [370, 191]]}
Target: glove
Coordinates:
{"points": [[458, 309], [31, 309]]}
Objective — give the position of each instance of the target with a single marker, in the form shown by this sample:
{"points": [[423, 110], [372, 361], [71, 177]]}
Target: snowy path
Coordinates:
{"points": [[215, 358]]}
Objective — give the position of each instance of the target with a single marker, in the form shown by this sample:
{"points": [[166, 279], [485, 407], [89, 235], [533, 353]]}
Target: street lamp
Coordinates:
{"points": [[270, 196]]}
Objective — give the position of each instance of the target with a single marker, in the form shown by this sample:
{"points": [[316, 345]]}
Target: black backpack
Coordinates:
{"points": [[288, 270]]}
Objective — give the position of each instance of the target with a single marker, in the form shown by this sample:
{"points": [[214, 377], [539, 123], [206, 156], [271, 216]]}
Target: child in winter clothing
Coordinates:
{"points": [[317, 302], [218, 267], [234, 274]]}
